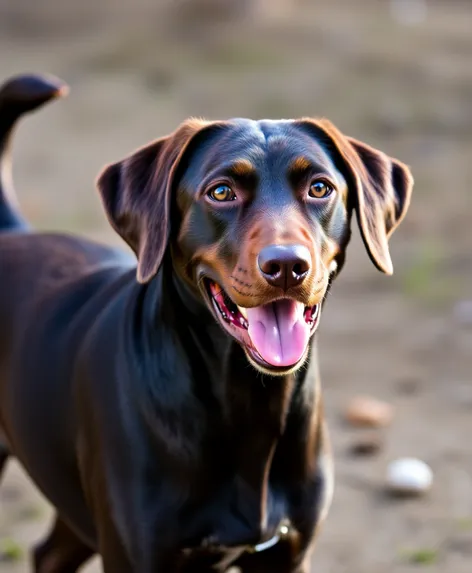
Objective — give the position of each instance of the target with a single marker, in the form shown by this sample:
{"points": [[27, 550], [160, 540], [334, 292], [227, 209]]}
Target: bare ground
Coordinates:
{"points": [[136, 72]]}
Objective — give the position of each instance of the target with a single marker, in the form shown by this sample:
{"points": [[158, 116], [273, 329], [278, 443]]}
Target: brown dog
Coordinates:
{"points": [[172, 414]]}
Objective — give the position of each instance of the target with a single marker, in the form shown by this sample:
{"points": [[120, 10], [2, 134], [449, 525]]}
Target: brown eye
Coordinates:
{"points": [[222, 193], [320, 189]]}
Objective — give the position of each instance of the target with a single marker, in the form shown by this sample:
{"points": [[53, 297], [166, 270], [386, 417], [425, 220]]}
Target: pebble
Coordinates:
{"points": [[367, 445], [409, 476], [369, 412]]}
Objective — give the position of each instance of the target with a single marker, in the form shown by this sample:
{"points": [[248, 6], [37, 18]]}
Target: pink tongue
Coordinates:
{"points": [[279, 331]]}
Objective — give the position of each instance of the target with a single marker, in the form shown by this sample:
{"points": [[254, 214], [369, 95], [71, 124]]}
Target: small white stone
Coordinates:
{"points": [[409, 476]]}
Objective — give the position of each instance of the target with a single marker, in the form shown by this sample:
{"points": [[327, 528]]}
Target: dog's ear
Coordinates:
{"points": [[383, 193], [380, 190], [136, 193]]}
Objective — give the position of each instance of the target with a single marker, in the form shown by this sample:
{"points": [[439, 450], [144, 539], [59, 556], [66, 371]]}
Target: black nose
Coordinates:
{"points": [[284, 266]]}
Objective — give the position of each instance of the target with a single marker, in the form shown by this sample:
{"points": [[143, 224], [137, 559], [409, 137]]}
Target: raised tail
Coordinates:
{"points": [[19, 95]]}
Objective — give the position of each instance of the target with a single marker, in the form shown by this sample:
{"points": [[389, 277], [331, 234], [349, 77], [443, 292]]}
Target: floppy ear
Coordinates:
{"points": [[136, 194], [380, 189], [383, 192]]}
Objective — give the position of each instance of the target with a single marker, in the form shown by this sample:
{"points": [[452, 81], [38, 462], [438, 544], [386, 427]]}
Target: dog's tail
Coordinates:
{"points": [[19, 95]]}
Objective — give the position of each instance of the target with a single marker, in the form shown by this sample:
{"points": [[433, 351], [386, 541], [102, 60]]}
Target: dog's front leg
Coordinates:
{"points": [[131, 537], [115, 558], [124, 540]]}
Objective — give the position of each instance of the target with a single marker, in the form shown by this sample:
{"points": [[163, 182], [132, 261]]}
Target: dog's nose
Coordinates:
{"points": [[284, 266]]}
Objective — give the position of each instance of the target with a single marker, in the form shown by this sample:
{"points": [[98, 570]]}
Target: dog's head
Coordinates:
{"points": [[256, 215]]}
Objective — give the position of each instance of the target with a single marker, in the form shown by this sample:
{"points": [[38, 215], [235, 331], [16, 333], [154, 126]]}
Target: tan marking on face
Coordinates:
{"points": [[243, 167], [300, 164]]}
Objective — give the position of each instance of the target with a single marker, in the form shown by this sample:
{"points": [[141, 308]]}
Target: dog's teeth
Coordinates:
{"points": [[243, 311]]}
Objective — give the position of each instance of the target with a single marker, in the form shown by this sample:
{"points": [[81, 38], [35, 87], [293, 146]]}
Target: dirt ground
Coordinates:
{"points": [[395, 74]]}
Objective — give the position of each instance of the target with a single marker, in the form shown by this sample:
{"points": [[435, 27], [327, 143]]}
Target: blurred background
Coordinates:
{"points": [[394, 73]]}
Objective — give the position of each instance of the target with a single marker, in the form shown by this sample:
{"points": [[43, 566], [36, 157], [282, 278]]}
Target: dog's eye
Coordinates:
{"points": [[320, 189], [222, 193]]}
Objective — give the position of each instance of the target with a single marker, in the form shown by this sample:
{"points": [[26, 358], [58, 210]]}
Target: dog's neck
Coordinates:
{"points": [[253, 408]]}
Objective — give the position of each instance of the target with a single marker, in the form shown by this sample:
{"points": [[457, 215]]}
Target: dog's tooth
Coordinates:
{"points": [[243, 311]]}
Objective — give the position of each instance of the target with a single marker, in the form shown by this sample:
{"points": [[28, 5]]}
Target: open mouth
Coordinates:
{"points": [[274, 335]]}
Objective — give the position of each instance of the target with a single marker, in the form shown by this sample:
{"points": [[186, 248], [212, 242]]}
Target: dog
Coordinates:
{"points": [[168, 404]]}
